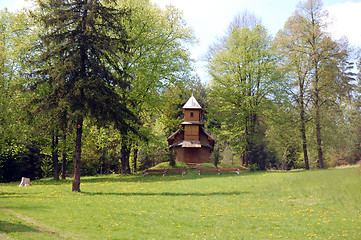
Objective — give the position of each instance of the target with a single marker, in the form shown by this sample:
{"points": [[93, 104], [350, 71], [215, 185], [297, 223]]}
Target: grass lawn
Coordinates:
{"points": [[317, 204]]}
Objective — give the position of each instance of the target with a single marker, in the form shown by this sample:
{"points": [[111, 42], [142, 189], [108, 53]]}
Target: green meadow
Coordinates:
{"points": [[317, 204]]}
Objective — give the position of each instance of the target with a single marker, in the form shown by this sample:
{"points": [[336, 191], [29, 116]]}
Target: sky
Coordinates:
{"points": [[209, 19]]}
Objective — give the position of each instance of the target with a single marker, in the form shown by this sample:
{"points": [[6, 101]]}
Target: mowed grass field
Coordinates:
{"points": [[317, 204]]}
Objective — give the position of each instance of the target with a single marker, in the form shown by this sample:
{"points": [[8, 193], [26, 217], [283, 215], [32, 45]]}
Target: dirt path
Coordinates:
{"points": [[38, 226]]}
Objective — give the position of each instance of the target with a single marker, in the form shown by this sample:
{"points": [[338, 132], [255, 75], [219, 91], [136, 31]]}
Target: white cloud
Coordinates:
{"points": [[346, 21]]}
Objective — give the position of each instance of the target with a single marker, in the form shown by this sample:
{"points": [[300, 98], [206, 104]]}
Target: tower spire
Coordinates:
{"points": [[192, 103]]}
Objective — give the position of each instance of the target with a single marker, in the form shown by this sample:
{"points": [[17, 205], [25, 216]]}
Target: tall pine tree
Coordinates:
{"points": [[82, 42]]}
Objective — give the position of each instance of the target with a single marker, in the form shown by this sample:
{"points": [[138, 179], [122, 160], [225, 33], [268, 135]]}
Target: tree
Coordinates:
{"points": [[82, 42], [345, 144], [157, 59], [282, 137], [101, 150], [55, 152], [216, 156], [297, 67], [171, 157], [19, 149], [315, 65], [245, 19], [243, 76]]}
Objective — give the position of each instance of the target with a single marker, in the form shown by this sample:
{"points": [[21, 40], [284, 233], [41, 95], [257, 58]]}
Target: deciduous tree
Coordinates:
{"points": [[243, 76], [316, 67], [157, 59], [19, 149]]}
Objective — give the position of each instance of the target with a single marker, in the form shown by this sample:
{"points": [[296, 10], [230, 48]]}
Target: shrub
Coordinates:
{"points": [[254, 167], [216, 157], [171, 157]]}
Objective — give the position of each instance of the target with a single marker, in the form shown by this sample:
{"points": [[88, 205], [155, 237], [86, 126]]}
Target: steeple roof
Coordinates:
{"points": [[192, 104]]}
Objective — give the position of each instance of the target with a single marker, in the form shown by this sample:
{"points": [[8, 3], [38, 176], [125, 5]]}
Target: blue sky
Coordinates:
{"points": [[210, 18]]}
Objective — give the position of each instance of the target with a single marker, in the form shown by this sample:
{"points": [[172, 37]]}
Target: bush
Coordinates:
{"points": [[216, 157], [165, 165], [254, 167], [171, 157], [144, 159]]}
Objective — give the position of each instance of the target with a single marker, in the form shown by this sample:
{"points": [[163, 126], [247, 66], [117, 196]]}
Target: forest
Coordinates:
{"points": [[93, 87]]}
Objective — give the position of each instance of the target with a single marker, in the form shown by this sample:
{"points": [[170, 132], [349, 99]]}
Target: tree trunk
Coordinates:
{"points": [[250, 131], [304, 146], [303, 130], [55, 153], [318, 118], [102, 158], [135, 157], [25, 182], [319, 139], [63, 162], [77, 155], [245, 157], [125, 153], [64, 124]]}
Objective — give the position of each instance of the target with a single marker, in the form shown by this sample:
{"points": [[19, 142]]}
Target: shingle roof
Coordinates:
{"points": [[192, 104]]}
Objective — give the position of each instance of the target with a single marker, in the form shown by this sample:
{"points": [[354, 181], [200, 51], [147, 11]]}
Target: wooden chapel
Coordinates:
{"points": [[191, 143]]}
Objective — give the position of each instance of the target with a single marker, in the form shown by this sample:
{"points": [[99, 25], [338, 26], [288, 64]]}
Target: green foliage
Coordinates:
{"points": [[146, 159], [244, 75], [80, 47], [19, 161], [254, 167], [216, 157], [78, 70], [19, 147], [171, 157], [283, 139], [318, 69], [47, 167], [165, 165], [125, 69], [158, 59], [101, 150], [174, 98]]}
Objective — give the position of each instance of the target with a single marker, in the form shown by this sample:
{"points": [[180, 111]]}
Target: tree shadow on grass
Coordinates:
{"points": [[138, 178], [9, 227], [155, 177], [127, 194]]}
